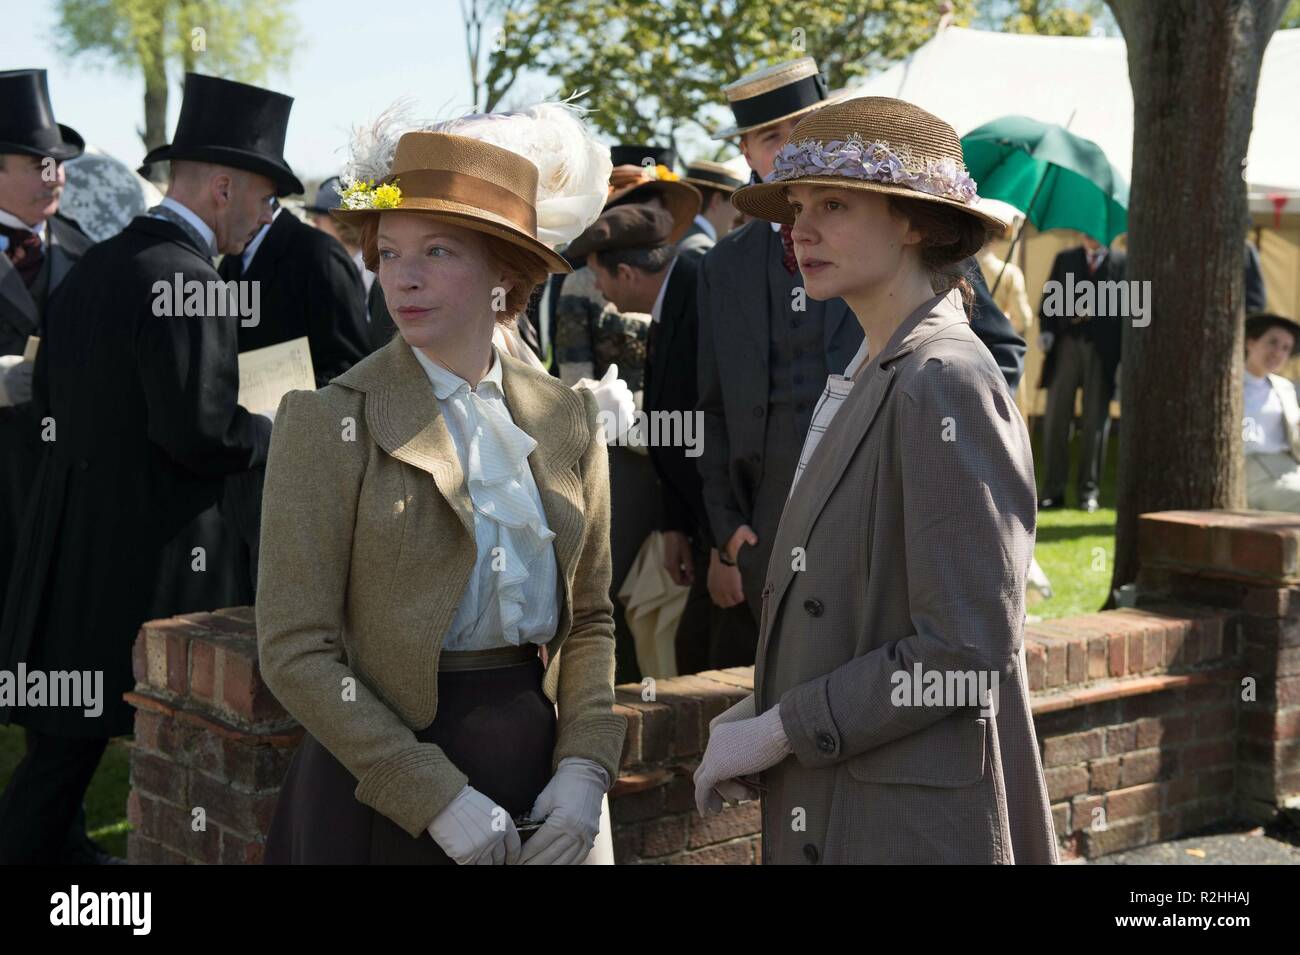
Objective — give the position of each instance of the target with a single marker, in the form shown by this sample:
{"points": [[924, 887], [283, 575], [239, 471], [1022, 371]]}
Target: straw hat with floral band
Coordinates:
{"points": [[872, 143], [775, 93]]}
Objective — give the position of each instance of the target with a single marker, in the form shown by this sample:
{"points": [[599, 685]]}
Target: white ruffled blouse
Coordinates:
{"points": [[512, 596]]}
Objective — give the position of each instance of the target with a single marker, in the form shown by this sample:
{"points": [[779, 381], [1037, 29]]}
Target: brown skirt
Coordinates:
{"points": [[496, 725]]}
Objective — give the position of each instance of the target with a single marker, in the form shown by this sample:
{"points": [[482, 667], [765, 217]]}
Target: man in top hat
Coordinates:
{"points": [[330, 196], [136, 389], [310, 287], [38, 248], [592, 335], [766, 349], [717, 216], [638, 269]]}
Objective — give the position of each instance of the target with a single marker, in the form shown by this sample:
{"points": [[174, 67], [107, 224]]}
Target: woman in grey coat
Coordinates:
{"points": [[890, 718]]}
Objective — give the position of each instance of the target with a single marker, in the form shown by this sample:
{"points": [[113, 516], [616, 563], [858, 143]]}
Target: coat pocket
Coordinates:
{"points": [[948, 754]]}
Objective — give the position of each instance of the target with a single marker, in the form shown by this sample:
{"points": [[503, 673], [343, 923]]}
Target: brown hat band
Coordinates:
{"points": [[426, 184]]}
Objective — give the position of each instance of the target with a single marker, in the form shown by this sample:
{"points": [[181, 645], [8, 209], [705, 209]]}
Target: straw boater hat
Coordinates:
{"points": [[534, 178], [872, 143], [712, 175], [775, 93]]}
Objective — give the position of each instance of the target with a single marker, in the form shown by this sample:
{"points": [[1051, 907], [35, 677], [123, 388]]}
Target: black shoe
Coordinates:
{"points": [[89, 853], [1089, 503], [1051, 503]]}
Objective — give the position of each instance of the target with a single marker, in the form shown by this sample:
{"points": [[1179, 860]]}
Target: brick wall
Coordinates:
{"points": [[1144, 729]]}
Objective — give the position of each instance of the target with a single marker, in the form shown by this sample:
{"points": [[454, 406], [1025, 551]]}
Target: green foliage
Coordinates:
{"points": [[1291, 19], [238, 39], [655, 68]]}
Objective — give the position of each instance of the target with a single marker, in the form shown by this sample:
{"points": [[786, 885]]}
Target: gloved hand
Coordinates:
{"points": [[1045, 340], [738, 748], [474, 830], [616, 405], [744, 710], [15, 380], [570, 804]]}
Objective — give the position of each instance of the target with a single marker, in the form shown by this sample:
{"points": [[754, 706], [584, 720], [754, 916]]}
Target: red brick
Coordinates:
{"points": [[1118, 654], [1133, 801], [203, 671], [248, 814], [732, 823], [663, 836], [1061, 819], [1103, 774], [637, 806], [1065, 781], [1072, 748], [1181, 789], [236, 850], [1118, 836], [242, 691], [1036, 665], [1097, 668], [146, 730], [1205, 755], [1083, 812], [733, 853], [1163, 730], [1121, 739], [159, 777], [1145, 766], [1220, 721], [1218, 782]]}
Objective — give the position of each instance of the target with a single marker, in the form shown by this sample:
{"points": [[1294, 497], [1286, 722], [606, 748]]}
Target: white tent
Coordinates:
{"points": [[970, 77]]}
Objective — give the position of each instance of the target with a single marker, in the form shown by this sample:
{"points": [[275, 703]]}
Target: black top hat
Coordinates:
{"points": [[1260, 322], [232, 124], [27, 122], [634, 155]]}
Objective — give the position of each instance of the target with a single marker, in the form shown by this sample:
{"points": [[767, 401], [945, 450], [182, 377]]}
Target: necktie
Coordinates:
{"points": [[787, 256], [25, 252]]}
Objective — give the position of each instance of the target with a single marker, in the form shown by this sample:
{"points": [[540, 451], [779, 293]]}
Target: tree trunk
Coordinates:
{"points": [[1194, 67], [155, 102]]}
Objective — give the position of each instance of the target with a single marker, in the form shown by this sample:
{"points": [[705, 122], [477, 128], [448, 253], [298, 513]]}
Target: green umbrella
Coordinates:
{"points": [[1059, 180]]}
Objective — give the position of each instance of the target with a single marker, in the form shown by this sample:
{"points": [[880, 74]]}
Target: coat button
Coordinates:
{"points": [[759, 411], [810, 853], [826, 742], [814, 607]]}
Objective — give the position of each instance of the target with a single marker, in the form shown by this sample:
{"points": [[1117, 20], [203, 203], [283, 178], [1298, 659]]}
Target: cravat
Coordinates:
{"points": [[25, 251], [787, 255]]}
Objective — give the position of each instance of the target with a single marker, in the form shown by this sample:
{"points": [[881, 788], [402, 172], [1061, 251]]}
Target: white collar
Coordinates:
{"points": [[446, 382], [13, 222], [776, 226], [192, 217], [658, 306], [707, 226], [250, 250]]}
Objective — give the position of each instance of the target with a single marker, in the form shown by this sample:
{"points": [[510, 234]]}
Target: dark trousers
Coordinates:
{"points": [[41, 814], [633, 516], [1078, 365], [710, 637]]}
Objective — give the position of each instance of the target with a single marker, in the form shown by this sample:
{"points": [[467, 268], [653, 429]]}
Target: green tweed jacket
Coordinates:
{"points": [[367, 546]]}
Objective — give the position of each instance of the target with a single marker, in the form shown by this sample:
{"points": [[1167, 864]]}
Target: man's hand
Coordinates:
{"points": [[677, 557], [725, 588], [744, 534]]}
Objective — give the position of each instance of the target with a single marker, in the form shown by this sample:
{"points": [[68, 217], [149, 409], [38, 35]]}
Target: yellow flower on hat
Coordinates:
{"points": [[387, 196], [666, 174]]}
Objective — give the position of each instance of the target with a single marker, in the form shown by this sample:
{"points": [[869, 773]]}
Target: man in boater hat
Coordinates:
{"points": [[766, 349], [715, 182], [38, 248], [136, 387]]}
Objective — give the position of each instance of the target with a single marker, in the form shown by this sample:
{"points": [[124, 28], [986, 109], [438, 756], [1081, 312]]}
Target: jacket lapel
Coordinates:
{"points": [[850, 426], [750, 319], [20, 301], [669, 318], [402, 414]]}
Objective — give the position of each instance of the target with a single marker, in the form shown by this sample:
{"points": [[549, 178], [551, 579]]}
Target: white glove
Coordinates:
{"points": [[615, 402], [15, 380], [738, 748], [474, 830], [1045, 340], [570, 804], [744, 710]]}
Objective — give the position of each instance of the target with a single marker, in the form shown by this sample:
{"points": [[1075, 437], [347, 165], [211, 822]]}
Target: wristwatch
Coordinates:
{"points": [[726, 561]]}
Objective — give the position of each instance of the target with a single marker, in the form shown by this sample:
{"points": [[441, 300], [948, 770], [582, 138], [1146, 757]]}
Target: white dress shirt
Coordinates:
{"points": [[707, 226], [367, 276], [838, 387], [512, 597], [658, 306], [250, 250], [1265, 423], [13, 222], [186, 213]]}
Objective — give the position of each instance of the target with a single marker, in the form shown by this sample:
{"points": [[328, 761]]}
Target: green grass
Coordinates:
{"points": [[1074, 548], [106, 797]]}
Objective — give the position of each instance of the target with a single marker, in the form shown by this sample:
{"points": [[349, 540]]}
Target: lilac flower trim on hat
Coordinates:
{"points": [[874, 162]]}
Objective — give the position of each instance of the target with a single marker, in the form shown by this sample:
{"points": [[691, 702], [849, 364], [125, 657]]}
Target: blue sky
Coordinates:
{"points": [[338, 75]]}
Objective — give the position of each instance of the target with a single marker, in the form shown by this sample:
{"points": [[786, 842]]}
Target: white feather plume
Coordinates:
{"points": [[573, 166]]}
